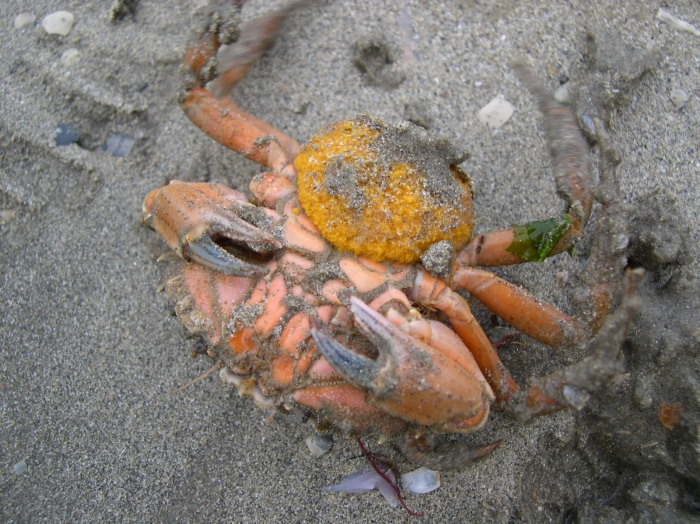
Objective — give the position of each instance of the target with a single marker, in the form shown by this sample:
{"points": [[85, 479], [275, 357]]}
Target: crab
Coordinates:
{"points": [[302, 316]]}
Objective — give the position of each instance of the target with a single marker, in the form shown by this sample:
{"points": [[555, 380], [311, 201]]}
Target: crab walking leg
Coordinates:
{"points": [[519, 308], [601, 277], [572, 385], [227, 124], [435, 293], [571, 164], [207, 106]]}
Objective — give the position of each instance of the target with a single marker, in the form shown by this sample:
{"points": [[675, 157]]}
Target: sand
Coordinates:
{"points": [[88, 355]]}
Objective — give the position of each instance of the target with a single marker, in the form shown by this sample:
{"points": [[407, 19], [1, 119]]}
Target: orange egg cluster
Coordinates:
{"points": [[382, 191]]}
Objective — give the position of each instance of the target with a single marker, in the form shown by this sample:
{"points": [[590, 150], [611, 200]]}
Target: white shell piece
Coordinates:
{"points": [[496, 112], [562, 94], [667, 17], [24, 20], [70, 57], [58, 23], [319, 444], [679, 98], [421, 480]]}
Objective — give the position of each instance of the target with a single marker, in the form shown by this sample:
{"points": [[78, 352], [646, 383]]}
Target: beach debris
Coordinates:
{"points": [[366, 480], [421, 480], [70, 57], [65, 134], [20, 467], [496, 112], [561, 95], [24, 20], [58, 23], [122, 8], [117, 145], [667, 17], [319, 444], [679, 98]]}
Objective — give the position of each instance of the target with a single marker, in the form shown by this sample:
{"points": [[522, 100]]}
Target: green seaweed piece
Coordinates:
{"points": [[535, 240]]}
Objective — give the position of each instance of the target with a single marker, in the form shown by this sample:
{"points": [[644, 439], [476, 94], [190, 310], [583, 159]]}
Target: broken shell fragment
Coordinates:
{"points": [[496, 113], [679, 98], [421, 480], [58, 23], [319, 444]]}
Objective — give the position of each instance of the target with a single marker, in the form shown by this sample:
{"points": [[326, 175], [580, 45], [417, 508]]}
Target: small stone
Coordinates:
{"points": [[65, 134], [24, 20], [58, 23], [496, 112], [561, 95], [20, 467], [70, 57], [679, 98]]}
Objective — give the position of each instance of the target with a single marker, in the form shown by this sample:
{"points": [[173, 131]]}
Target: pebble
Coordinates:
{"points": [[58, 23], [65, 134], [20, 467], [496, 112], [561, 95], [24, 20], [679, 98], [70, 57]]}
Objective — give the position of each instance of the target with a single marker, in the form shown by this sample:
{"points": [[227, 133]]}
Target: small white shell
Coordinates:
{"points": [[562, 94], [679, 98], [58, 23], [24, 20], [421, 480], [319, 444], [496, 112]]}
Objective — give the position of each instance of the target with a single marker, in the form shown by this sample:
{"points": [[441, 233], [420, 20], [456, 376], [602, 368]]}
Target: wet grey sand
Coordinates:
{"points": [[88, 355]]}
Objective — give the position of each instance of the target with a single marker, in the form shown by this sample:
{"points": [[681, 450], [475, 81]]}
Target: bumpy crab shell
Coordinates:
{"points": [[356, 342]]}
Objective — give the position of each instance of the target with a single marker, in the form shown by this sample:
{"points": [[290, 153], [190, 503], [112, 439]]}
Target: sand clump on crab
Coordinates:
{"points": [[309, 302]]}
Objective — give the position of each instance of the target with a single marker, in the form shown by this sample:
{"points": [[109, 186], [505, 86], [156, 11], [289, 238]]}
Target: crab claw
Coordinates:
{"points": [[196, 219], [409, 379]]}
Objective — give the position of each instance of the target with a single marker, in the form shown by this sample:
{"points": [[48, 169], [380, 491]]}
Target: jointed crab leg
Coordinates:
{"points": [[572, 172], [572, 385], [518, 307], [435, 293], [220, 117]]}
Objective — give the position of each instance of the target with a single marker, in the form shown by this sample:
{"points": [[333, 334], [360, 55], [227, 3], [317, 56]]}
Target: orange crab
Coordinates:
{"points": [[314, 297]]}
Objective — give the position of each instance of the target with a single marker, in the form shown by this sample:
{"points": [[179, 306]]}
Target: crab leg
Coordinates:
{"points": [[435, 293], [572, 171], [518, 307], [219, 117], [572, 385]]}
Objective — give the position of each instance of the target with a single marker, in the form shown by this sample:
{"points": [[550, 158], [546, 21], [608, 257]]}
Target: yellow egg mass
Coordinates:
{"points": [[385, 192]]}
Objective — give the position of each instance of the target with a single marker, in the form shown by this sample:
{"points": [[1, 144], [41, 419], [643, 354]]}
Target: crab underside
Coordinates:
{"points": [[308, 302]]}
